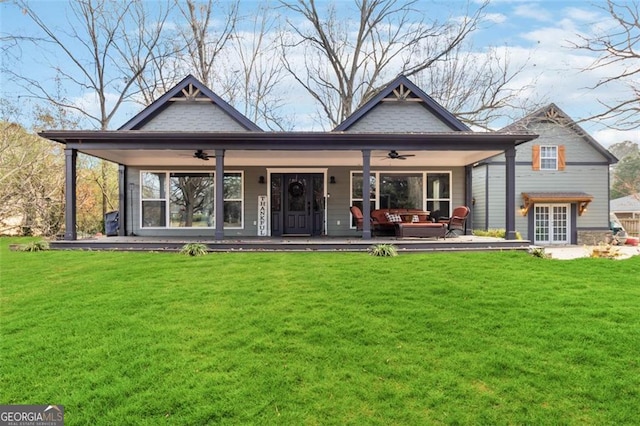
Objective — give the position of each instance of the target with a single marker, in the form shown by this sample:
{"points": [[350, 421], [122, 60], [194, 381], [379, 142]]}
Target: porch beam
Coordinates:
{"points": [[219, 198], [70, 176], [366, 194], [510, 194]]}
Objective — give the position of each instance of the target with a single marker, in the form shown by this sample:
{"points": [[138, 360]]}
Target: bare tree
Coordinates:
{"points": [[202, 44], [480, 88], [253, 78], [618, 54], [102, 51], [346, 62]]}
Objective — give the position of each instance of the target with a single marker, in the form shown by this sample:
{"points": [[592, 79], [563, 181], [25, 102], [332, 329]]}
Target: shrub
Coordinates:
{"points": [[194, 249], [40, 245], [383, 250], [539, 252]]}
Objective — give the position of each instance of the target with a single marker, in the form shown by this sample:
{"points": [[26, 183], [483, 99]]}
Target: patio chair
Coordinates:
{"points": [[457, 220], [357, 215]]}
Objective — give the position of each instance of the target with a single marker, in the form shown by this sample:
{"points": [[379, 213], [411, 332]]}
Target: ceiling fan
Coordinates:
{"points": [[200, 154], [394, 155]]}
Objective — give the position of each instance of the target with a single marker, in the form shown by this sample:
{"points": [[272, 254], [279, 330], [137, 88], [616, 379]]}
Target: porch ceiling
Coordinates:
{"points": [[379, 158], [143, 148]]}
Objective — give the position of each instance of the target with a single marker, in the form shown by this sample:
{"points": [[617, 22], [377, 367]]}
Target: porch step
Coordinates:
{"points": [[302, 245]]}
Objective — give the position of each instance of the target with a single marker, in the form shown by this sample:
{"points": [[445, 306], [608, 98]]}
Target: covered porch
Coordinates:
{"points": [[264, 152]]}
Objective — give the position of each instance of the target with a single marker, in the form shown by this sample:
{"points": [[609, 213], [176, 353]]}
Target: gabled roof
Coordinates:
{"points": [[414, 92], [630, 203], [189, 88], [553, 114]]}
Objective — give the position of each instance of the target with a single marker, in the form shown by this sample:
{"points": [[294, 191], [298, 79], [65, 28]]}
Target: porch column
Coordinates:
{"points": [[366, 194], [468, 198], [219, 199], [510, 194], [70, 175], [122, 200]]}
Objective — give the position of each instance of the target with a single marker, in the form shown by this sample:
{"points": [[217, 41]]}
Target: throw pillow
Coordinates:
{"points": [[393, 218]]}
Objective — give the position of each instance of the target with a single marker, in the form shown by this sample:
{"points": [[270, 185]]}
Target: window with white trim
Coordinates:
{"points": [[405, 190], [357, 196], [187, 199], [439, 194], [548, 157]]}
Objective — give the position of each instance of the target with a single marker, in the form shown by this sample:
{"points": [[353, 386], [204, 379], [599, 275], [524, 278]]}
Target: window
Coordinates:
{"points": [[233, 200], [401, 191], [439, 194], [548, 158], [357, 195], [396, 190], [154, 204], [187, 199], [191, 200]]}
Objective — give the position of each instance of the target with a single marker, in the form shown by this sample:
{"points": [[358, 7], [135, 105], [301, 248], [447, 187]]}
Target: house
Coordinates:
{"points": [[562, 183], [626, 207], [193, 166], [627, 212]]}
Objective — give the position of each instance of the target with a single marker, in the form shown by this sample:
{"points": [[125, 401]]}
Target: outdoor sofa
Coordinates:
{"points": [[385, 221]]}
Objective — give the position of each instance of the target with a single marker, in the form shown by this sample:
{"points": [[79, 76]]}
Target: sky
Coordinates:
{"points": [[535, 35]]}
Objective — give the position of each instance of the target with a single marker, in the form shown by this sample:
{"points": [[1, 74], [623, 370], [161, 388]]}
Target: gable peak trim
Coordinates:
{"points": [[403, 89], [191, 93], [190, 89], [400, 94]]}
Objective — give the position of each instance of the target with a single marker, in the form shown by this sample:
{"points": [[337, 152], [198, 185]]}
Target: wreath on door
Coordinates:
{"points": [[296, 189]]}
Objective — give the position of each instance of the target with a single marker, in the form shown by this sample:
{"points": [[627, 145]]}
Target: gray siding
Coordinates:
{"points": [[338, 215], [577, 149], [195, 117], [586, 171], [251, 189], [590, 179], [399, 117], [478, 192]]}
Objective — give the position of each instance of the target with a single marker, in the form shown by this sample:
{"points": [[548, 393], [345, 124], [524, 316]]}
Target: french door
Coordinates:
{"points": [[552, 223]]}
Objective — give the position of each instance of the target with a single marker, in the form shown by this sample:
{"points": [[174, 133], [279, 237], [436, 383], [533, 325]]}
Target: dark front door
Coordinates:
{"points": [[297, 204], [298, 199]]}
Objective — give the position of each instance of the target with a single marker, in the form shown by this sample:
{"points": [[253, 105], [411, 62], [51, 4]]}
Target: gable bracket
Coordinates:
{"points": [[580, 199], [402, 94], [191, 94]]}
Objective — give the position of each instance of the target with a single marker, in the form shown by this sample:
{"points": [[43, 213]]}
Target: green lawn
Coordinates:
{"points": [[321, 338]]}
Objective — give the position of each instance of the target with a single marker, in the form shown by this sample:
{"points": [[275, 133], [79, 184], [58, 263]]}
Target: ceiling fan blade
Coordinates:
{"points": [[201, 155]]}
